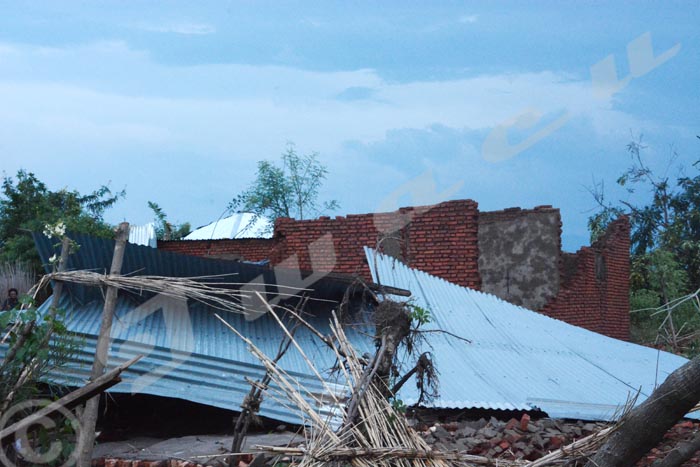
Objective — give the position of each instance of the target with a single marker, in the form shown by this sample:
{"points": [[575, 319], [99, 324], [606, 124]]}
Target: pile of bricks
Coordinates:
{"points": [[525, 438], [531, 439], [522, 438]]}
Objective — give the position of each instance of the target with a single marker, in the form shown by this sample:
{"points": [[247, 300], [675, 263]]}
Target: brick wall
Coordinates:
{"points": [[443, 240], [594, 292], [439, 239], [249, 249]]}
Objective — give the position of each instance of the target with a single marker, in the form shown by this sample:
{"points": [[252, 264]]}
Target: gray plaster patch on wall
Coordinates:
{"points": [[519, 255]]}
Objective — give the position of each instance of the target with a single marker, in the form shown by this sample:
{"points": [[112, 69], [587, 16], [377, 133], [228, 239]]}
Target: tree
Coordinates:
{"points": [[665, 244], [644, 426], [287, 191], [164, 229], [28, 205]]}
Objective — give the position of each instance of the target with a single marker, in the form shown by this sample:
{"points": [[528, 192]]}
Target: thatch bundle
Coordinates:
{"points": [[226, 296]]}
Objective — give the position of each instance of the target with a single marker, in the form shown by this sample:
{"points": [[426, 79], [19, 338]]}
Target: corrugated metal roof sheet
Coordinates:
{"points": [[189, 354], [239, 225], [96, 254], [143, 235], [520, 359]]}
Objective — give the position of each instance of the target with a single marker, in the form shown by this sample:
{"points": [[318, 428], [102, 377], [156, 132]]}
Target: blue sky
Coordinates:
{"points": [[406, 102]]}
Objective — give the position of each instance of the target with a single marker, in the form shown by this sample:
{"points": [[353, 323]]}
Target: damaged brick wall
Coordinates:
{"points": [[594, 291], [452, 240], [439, 239]]}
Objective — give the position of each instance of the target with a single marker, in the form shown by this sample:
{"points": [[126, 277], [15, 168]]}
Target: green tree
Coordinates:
{"points": [[665, 243], [28, 205], [289, 190], [164, 229]]}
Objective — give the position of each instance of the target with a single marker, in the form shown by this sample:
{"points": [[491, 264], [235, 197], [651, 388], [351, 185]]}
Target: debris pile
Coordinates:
{"points": [[682, 431], [526, 438], [530, 439]]}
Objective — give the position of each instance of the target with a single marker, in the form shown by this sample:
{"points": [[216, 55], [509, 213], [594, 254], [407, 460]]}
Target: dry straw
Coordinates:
{"points": [[381, 437]]}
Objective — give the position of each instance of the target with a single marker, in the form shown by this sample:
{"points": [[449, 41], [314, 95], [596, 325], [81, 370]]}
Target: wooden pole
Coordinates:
{"points": [[89, 418]]}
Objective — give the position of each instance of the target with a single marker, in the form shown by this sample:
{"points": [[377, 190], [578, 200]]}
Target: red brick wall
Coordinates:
{"points": [[595, 299], [249, 249], [440, 239]]}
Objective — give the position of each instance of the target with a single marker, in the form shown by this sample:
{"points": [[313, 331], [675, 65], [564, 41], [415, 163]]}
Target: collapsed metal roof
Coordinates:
{"points": [[188, 352], [520, 359], [95, 254], [516, 358]]}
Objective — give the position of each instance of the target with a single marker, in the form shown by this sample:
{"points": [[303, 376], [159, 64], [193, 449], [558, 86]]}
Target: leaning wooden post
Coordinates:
{"points": [[89, 418]]}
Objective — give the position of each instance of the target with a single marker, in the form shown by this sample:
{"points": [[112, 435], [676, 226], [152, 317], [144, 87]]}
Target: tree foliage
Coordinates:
{"points": [[665, 240], [27, 204], [166, 230], [289, 190]]}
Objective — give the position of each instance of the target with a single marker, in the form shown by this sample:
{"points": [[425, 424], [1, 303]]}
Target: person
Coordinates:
{"points": [[11, 301]]}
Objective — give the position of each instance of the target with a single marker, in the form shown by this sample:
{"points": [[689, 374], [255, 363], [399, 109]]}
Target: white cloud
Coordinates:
{"points": [[106, 100], [129, 97]]}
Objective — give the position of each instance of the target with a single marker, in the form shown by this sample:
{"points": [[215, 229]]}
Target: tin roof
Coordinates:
{"points": [[187, 352], [96, 254], [239, 225], [516, 358], [520, 359], [143, 235]]}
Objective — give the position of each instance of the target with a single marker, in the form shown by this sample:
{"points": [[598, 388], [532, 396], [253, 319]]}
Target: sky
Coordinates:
{"points": [[406, 103]]}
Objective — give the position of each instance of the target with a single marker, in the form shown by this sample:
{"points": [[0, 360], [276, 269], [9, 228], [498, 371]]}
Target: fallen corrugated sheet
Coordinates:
{"points": [[189, 354], [239, 225], [520, 359], [95, 254]]}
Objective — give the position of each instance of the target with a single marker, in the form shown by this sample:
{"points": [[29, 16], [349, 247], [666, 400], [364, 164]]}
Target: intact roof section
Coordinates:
{"points": [[239, 225], [520, 359]]}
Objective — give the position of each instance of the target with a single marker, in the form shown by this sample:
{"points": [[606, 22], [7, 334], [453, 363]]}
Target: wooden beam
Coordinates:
{"points": [[70, 400]]}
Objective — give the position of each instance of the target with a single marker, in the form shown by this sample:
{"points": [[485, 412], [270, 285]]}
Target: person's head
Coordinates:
{"points": [[12, 293]]}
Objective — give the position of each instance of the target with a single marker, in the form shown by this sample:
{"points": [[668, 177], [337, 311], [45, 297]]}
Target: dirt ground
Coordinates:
{"points": [[199, 449]]}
